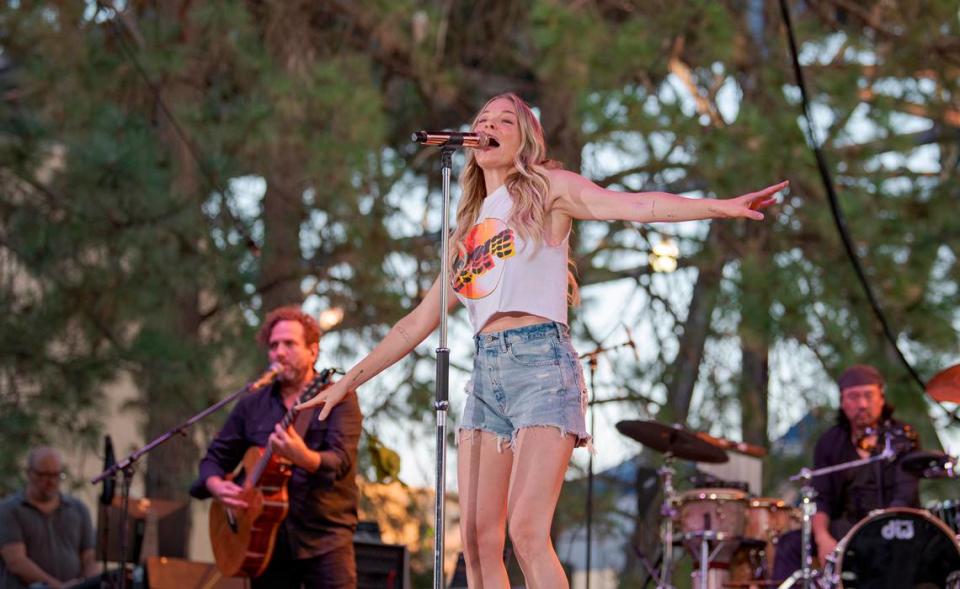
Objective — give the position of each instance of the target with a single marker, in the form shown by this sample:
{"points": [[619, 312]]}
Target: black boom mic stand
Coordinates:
{"points": [[128, 465]]}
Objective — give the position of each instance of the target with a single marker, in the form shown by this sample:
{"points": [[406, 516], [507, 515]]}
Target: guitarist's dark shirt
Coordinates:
{"points": [[323, 504]]}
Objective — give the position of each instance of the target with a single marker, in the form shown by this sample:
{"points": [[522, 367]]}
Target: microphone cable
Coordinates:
{"points": [[837, 213]]}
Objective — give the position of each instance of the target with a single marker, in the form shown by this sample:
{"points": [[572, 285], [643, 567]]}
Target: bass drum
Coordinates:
{"points": [[897, 548]]}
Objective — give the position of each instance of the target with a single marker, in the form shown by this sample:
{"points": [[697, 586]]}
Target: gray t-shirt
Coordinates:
{"points": [[53, 541]]}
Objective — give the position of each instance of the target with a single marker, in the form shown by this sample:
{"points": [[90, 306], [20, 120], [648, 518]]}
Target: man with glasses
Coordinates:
{"points": [[46, 537]]}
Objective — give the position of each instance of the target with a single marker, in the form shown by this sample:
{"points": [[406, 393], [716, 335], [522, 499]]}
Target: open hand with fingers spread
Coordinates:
{"points": [[748, 205], [328, 398]]}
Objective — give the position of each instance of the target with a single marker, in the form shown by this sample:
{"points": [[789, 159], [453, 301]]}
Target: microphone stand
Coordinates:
{"points": [[592, 361], [442, 404], [806, 574], [127, 466]]}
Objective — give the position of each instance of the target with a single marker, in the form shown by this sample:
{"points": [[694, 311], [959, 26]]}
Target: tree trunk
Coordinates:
{"points": [[168, 377], [696, 328], [287, 37], [755, 341]]}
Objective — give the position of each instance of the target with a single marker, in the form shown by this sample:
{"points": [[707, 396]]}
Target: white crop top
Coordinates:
{"points": [[504, 273]]}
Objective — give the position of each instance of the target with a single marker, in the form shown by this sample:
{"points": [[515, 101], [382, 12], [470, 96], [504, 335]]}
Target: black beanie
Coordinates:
{"points": [[859, 374]]}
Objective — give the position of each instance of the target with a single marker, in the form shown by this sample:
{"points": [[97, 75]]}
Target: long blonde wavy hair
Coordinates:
{"points": [[527, 184]]}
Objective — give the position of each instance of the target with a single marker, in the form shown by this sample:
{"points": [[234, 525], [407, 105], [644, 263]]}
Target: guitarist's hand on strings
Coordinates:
{"points": [[289, 444], [226, 492]]}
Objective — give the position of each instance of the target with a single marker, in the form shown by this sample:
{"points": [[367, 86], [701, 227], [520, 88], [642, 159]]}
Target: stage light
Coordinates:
{"points": [[663, 257], [330, 318]]}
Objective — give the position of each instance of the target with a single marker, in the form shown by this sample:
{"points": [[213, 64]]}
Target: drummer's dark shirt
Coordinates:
{"points": [[851, 494]]}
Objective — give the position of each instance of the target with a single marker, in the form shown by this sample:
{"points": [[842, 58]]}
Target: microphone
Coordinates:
{"points": [[109, 483], [889, 452], [267, 377], [454, 139], [631, 343]]}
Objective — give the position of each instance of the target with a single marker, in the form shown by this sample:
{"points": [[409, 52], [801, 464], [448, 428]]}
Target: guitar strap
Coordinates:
{"points": [[302, 422]]}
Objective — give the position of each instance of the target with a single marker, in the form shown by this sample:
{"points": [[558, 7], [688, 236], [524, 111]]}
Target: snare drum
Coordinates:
{"points": [[721, 512], [766, 519], [892, 549]]}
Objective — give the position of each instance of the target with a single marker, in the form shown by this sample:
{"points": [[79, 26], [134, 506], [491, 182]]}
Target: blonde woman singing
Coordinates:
{"points": [[525, 407]]}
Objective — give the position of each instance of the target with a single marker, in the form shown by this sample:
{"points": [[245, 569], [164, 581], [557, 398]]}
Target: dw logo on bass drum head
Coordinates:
{"points": [[897, 529]]}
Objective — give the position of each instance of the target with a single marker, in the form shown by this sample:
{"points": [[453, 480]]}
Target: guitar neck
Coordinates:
{"points": [[318, 383]]}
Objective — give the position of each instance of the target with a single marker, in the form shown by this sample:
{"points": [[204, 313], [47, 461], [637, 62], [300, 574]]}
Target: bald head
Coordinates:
{"points": [[43, 455]]}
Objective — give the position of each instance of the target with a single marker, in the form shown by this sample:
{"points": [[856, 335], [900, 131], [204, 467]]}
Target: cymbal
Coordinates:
{"points": [[144, 506], [673, 439], [945, 385], [929, 465], [739, 447]]}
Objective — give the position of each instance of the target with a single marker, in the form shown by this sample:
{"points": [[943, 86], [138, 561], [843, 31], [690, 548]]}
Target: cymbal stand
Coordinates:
{"points": [[592, 364], [806, 573], [808, 508], [667, 512], [592, 358], [704, 555]]}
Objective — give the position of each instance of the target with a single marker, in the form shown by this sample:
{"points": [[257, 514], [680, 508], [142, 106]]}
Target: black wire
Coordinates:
{"points": [[178, 129], [837, 213]]}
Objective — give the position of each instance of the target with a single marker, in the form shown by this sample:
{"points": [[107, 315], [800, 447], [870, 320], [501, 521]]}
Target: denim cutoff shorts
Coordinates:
{"points": [[526, 377]]}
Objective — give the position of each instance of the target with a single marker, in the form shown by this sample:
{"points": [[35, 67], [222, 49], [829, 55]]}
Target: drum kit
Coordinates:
{"points": [[732, 536]]}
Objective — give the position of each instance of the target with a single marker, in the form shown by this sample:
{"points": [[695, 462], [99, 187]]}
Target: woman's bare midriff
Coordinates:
{"points": [[511, 320]]}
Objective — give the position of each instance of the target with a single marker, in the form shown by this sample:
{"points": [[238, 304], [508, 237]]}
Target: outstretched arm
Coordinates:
{"points": [[401, 339], [579, 198]]}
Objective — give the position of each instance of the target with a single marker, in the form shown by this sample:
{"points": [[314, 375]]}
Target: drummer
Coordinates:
{"points": [[845, 497]]}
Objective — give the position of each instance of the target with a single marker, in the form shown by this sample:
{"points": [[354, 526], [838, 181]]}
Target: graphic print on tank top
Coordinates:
{"points": [[489, 244]]}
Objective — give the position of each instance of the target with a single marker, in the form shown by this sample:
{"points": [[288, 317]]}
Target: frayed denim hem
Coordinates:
{"points": [[511, 442], [502, 440], [583, 439]]}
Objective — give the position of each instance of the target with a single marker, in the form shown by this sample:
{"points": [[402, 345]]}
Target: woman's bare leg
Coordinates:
{"points": [[540, 459], [483, 476]]}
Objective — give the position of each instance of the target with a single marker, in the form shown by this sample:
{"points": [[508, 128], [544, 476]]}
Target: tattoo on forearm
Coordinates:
{"points": [[403, 333], [355, 378]]}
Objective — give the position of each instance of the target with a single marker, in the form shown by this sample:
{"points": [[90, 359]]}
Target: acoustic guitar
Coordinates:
{"points": [[243, 540]]}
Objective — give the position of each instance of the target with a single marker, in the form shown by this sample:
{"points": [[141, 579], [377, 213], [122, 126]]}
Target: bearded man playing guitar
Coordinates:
{"points": [[313, 545]]}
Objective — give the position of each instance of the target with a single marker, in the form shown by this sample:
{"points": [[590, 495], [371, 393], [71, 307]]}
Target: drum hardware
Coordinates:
{"points": [[953, 580], [704, 555], [930, 465], [949, 513], [667, 512], [807, 574], [673, 441]]}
